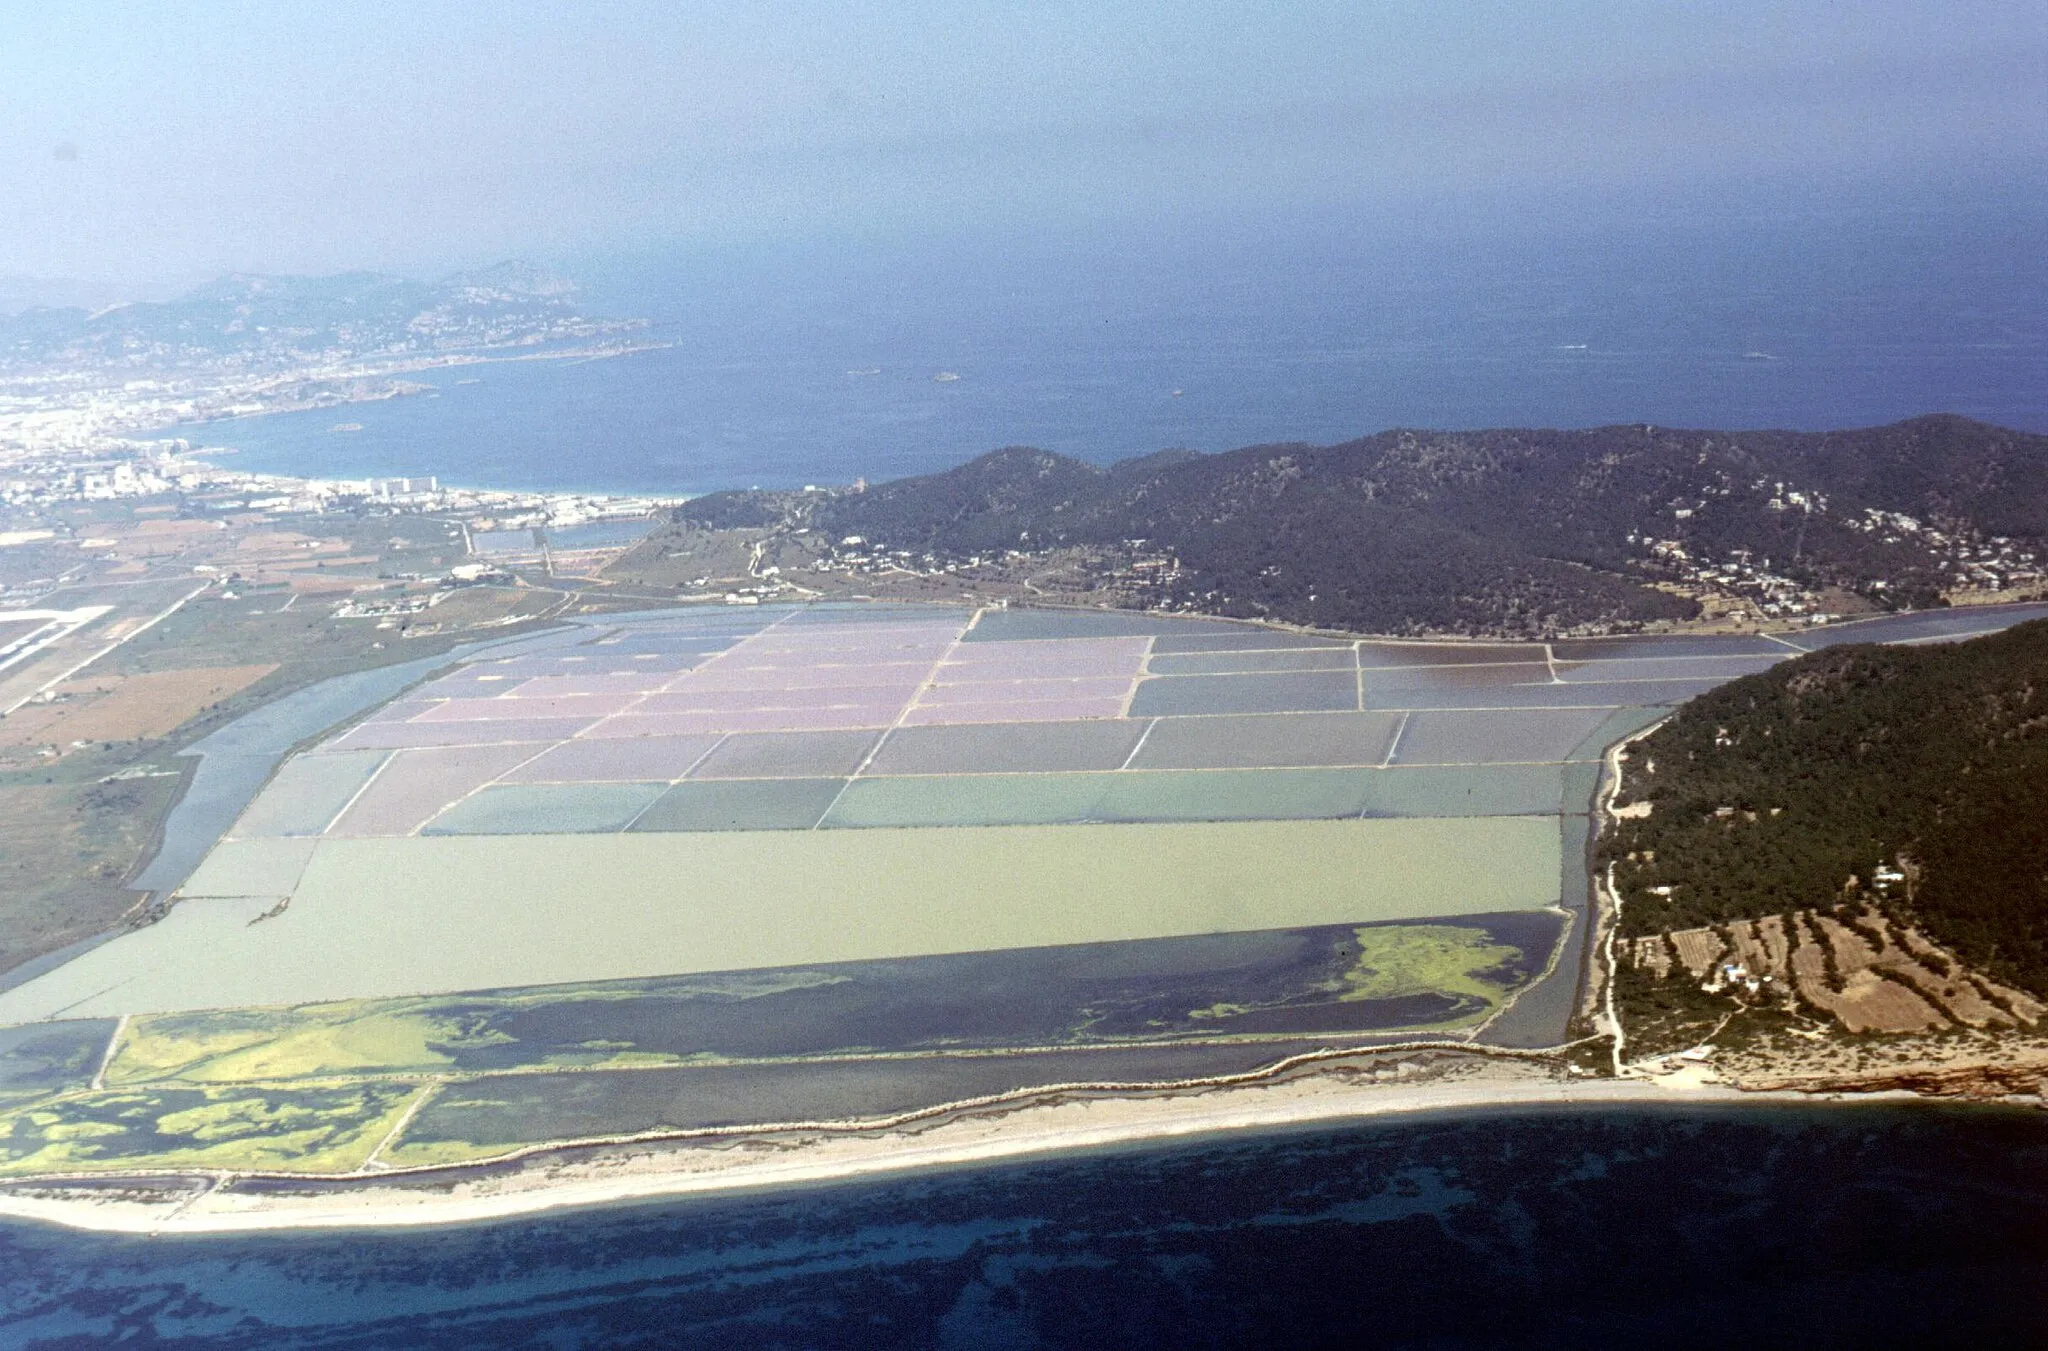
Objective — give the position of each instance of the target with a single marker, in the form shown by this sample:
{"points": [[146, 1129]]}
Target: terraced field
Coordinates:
{"points": [[707, 870]]}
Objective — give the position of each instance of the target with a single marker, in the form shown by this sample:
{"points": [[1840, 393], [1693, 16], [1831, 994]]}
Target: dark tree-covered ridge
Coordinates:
{"points": [[1792, 789], [1505, 532]]}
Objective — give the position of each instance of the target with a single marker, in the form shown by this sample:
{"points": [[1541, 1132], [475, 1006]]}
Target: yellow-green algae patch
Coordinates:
{"points": [[302, 1089], [312, 1041], [1414, 959], [241, 1128], [1398, 961], [422, 1035]]}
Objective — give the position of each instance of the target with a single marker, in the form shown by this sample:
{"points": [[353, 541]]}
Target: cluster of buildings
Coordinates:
{"points": [[1132, 571], [1991, 564], [487, 510], [855, 554], [100, 481], [87, 411], [1739, 585], [151, 469]]}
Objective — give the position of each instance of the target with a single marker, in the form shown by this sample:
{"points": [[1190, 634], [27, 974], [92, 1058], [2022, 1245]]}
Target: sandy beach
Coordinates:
{"points": [[654, 1170]]}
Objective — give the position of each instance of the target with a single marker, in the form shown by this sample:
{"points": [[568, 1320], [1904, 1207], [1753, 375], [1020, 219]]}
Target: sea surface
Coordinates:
{"points": [[1864, 1226], [1851, 1226], [792, 364]]}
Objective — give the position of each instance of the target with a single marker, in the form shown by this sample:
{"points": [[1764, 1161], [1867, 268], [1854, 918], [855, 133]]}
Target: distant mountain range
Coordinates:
{"points": [[1497, 532], [248, 318], [18, 293]]}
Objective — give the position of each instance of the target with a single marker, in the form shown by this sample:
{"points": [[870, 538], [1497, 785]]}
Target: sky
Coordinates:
{"points": [[175, 140]]}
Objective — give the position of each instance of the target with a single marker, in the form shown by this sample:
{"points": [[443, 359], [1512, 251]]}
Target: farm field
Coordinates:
{"points": [[127, 708], [718, 868]]}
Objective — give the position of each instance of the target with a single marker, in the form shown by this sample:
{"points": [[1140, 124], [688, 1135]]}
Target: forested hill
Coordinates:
{"points": [[1770, 794], [1499, 531]]}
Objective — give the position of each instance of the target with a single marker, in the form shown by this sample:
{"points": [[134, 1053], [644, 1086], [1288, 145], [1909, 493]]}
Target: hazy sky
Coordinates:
{"points": [[163, 140]]}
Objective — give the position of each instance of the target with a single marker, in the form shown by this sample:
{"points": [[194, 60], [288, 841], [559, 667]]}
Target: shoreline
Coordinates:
{"points": [[1344, 1088], [655, 1170], [176, 429], [1325, 1088]]}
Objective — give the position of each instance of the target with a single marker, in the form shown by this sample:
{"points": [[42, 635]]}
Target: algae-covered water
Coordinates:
{"points": [[1861, 1227]]}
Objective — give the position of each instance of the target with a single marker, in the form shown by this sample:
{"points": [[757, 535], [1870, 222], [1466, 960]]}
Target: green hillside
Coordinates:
{"points": [[1520, 532], [1789, 789]]}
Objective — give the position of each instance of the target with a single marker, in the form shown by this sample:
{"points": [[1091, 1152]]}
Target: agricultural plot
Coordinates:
{"points": [[1930, 627], [126, 708], [1009, 748], [1306, 794], [1255, 662], [1605, 669], [309, 792], [1694, 645], [740, 804], [675, 871], [1253, 742], [878, 717], [1280, 692]]}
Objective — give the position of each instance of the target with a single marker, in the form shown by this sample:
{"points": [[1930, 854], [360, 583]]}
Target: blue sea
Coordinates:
{"points": [[1849, 1226], [790, 364], [795, 363]]}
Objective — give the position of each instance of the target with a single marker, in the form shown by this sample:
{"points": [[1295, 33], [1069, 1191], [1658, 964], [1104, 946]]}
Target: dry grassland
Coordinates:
{"points": [[325, 583], [678, 555], [12, 630], [64, 851], [126, 708], [158, 539], [482, 605]]}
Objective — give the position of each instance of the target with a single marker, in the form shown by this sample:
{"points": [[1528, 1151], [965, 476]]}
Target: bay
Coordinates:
{"points": [[791, 363]]}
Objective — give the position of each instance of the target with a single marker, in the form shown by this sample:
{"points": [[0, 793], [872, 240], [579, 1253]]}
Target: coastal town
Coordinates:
{"points": [[116, 455], [1738, 584]]}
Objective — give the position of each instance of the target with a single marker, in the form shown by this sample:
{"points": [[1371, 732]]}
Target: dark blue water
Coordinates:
{"points": [[1804, 309], [1864, 1227]]}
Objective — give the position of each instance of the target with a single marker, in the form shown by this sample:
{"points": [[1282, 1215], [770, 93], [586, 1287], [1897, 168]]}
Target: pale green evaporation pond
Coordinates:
{"points": [[442, 914]]}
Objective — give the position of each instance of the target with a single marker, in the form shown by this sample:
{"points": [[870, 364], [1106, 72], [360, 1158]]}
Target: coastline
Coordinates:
{"points": [[372, 369], [183, 428], [652, 1170], [1324, 1088], [180, 428], [98, 419], [1044, 1123]]}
